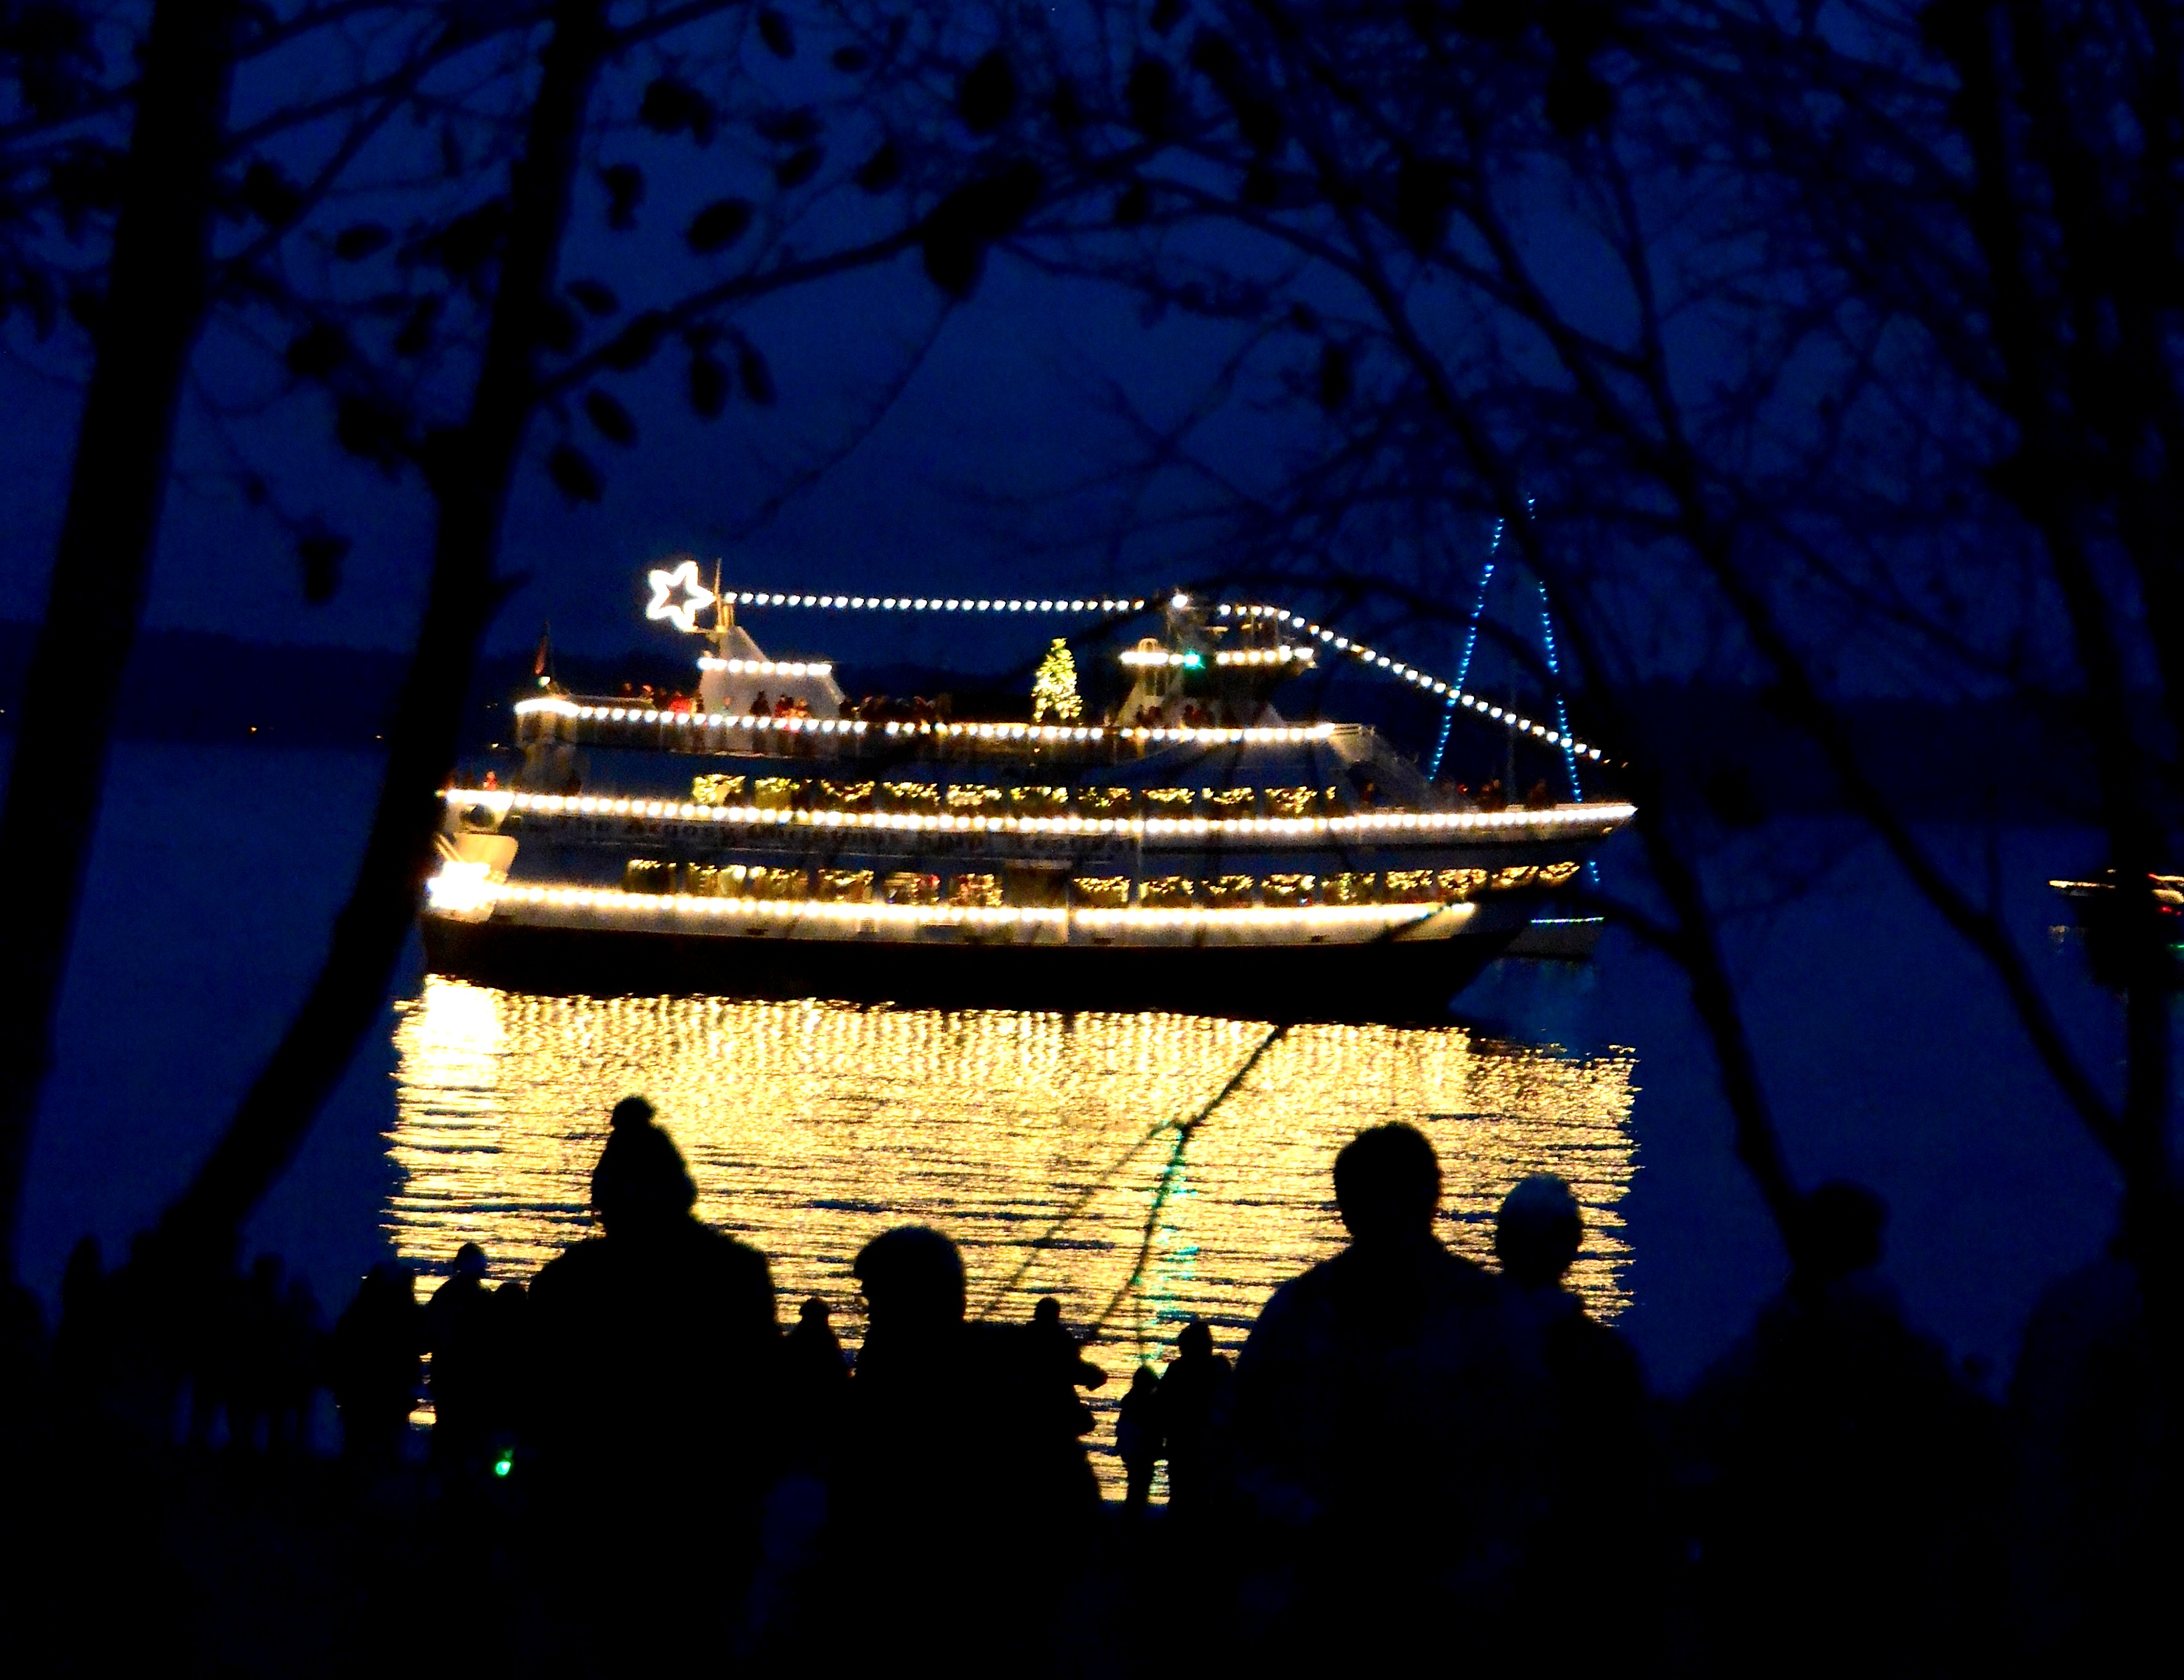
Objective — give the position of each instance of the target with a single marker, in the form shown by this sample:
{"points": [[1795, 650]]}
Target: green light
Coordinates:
{"points": [[1192, 661], [500, 1466]]}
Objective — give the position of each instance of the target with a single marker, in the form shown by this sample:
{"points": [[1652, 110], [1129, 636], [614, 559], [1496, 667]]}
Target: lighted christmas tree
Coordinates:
{"points": [[1054, 687]]}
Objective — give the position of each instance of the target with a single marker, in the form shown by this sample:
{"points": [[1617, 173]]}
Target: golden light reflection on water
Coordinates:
{"points": [[810, 1127]]}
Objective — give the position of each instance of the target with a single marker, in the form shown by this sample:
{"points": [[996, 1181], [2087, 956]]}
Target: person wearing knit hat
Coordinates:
{"points": [[641, 1179], [656, 1360]]}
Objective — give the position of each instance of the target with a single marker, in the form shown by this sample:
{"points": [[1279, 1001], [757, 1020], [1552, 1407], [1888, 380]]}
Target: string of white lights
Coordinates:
{"points": [[766, 667], [929, 604], [1560, 820], [606, 711], [463, 888], [1417, 679], [1193, 661], [1507, 718]]}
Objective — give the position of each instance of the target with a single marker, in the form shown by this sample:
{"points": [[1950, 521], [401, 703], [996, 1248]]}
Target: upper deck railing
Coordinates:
{"points": [[609, 722]]}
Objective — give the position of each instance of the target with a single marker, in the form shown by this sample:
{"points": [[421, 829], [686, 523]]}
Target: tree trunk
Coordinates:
{"points": [[472, 476], [155, 302]]}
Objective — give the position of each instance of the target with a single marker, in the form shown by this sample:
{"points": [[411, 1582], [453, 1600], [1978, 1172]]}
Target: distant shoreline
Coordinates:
{"points": [[1965, 760]]}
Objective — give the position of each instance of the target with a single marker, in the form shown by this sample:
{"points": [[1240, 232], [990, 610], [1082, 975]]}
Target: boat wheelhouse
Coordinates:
{"points": [[1194, 850]]}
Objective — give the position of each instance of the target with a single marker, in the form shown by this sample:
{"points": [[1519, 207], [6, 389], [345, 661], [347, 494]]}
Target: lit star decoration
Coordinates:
{"points": [[683, 582]]}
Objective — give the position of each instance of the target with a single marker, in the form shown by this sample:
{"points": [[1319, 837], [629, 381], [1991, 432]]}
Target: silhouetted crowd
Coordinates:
{"points": [[1412, 1458]]}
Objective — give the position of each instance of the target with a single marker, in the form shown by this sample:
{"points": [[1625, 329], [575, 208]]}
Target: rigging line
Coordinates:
{"points": [[1470, 642], [1168, 1176], [1479, 606], [1084, 1200], [1561, 713], [1562, 706]]}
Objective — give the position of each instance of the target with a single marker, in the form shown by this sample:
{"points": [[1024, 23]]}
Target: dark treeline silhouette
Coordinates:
{"points": [[631, 1464]]}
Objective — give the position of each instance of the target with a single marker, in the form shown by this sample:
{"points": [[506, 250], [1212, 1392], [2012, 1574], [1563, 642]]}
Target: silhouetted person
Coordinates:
{"points": [[458, 1333], [1382, 1420], [298, 1359], [23, 1360], [84, 1355], [816, 1379], [1065, 1368], [1138, 1436], [1060, 1343], [657, 1367], [1846, 1471], [1536, 1235], [377, 1345], [1597, 1487], [2098, 1418], [254, 1360], [959, 1474], [1194, 1404]]}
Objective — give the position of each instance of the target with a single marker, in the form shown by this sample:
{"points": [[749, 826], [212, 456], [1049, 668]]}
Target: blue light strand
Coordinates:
{"points": [[1463, 666], [1562, 715]]}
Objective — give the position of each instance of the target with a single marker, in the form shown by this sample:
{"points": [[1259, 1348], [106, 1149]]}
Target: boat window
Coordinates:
{"points": [[906, 886], [1165, 800], [1101, 892], [647, 874], [716, 790], [1462, 883], [845, 885], [972, 796], [774, 793], [710, 881], [1292, 802], [1410, 886], [775, 883], [977, 891], [1039, 801], [1290, 889], [1516, 875], [1231, 802], [1028, 884], [911, 796], [1168, 892], [1229, 891], [1554, 875], [1103, 801], [846, 796], [1350, 888]]}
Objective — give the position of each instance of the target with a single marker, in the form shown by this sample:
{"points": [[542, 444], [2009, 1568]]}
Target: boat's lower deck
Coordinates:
{"points": [[1383, 977]]}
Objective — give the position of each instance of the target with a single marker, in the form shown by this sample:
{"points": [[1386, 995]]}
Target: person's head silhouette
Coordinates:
{"points": [[912, 1279], [1838, 1230], [1047, 1314], [1387, 1184], [1536, 1232], [470, 1261], [1195, 1341], [640, 1182], [814, 1311]]}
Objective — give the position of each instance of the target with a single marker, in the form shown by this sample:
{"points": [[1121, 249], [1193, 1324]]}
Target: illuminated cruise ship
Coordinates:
{"points": [[1194, 850]]}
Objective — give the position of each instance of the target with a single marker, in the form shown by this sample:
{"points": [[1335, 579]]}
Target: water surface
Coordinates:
{"points": [[1051, 1147]]}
